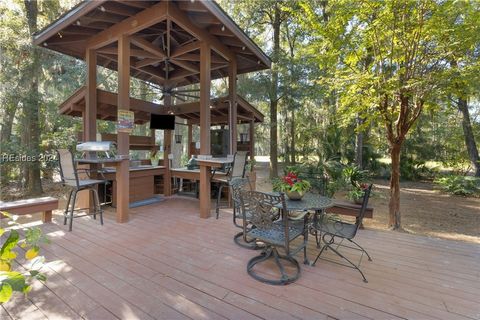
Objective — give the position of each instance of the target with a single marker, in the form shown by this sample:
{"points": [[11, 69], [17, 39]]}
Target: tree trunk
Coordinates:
{"points": [[359, 144], [468, 135], [274, 96], [5, 136], [394, 204], [31, 107], [292, 137]]}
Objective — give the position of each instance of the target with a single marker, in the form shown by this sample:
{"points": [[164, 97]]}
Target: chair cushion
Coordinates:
{"points": [[275, 235], [337, 228]]}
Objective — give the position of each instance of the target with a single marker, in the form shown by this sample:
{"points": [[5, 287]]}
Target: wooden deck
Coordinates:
{"points": [[166, 263]]}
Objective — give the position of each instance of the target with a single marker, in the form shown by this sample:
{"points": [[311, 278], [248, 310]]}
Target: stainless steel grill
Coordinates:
{"points": [[109, 148]]}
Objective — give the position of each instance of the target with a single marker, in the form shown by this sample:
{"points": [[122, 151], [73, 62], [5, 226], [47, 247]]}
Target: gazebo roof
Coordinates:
{"points": [[165, 37], [107, 108]]}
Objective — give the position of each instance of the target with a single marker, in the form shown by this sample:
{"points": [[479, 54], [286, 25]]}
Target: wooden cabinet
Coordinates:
{"points": [[142, 183]]}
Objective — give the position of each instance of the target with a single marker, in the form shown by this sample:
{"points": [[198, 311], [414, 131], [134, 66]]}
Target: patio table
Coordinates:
{"points": [[309, 202]]}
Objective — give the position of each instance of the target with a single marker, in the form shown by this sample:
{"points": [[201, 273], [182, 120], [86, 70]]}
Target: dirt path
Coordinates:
{"points": [[425, 210]]}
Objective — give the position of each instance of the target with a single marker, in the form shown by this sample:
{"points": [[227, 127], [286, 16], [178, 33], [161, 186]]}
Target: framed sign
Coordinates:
{"points": [[125, 121]]}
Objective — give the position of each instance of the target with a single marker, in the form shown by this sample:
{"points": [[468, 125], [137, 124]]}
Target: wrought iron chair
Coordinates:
{"points": [[236, 170], [271, 226], [69, 175], [237, 185], [336, 229]]}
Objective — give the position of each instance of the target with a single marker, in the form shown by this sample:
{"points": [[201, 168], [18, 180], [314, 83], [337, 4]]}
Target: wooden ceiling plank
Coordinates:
{"points": [[220, 30], [78, 30], [119, 8], [136, 4], [100, 16], [68, 39], [202, 18], [194, 7]]}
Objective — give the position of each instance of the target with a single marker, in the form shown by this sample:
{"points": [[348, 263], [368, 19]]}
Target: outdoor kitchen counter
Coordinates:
{"points": [[142, 181]]}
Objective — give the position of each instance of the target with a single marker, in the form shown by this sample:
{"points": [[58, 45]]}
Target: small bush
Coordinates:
{"points": [[460, 185]]}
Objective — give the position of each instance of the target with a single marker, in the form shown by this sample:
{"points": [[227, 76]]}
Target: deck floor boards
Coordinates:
{"points": [[167, 263]]}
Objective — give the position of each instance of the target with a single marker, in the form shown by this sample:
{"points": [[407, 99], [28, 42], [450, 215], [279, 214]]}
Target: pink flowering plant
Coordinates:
{"points": [[291, 182]]}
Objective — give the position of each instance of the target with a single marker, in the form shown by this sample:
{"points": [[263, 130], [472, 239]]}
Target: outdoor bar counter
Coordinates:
{"points": [[142, 182]]}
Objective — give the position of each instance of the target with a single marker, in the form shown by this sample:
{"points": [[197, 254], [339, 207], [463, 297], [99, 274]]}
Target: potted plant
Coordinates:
{"points": [[357, 193], [154, 158], [294, 187]]}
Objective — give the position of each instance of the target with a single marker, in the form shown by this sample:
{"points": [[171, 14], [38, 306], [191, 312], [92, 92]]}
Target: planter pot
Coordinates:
{"points": [[295, 195], [154, 162]]}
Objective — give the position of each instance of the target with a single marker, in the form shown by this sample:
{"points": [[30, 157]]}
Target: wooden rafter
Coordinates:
{"points": [[149, 47], [185, 49], [129, 26]]}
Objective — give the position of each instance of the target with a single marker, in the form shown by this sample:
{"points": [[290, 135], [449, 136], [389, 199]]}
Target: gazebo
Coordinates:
{"points": [[168, 43]]}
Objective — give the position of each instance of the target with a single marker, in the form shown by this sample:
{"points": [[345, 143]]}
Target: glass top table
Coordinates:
{"points": [[310, 201]]}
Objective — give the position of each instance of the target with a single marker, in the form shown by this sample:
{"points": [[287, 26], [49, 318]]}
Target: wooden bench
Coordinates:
{"points": [[349, 209], [28, 206]]}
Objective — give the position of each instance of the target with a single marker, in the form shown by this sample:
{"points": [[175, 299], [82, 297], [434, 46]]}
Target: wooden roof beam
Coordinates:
{"points": [[186, 65], [184, 22], [133, 52], [196, 57], [149, 47], [151, 71], [185, 49], [147, 62], [132, 25]]}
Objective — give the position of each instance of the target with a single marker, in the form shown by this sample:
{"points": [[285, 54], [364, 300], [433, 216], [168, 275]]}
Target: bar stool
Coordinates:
{"points": [[69, 175]]}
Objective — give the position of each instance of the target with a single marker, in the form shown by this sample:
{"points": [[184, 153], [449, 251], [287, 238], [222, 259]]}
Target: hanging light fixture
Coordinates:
{"points": [[178, 138]]}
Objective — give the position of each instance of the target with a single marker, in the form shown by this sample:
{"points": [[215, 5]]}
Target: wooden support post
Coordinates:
{"points": [[167, 149], [190, 138], [123, 138], [205, 69], [232, 110], [90, 115], [85, 199], [252, 139]]}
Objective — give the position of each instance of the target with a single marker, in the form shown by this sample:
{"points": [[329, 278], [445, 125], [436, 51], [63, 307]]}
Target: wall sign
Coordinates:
{"points": [[125, 121]]}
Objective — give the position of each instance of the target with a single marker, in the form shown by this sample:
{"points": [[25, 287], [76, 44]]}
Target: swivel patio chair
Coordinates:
{"points": [[235, 171], [237, 185], [69, 175], [271, 226], [334, 229]]}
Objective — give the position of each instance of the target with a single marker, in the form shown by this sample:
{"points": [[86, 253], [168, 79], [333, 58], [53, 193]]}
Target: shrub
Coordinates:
{"points": [[11, 280], [460, 185]]}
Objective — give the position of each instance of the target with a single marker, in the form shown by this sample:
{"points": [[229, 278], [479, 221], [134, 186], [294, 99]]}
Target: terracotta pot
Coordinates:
{"points": [[295, 195]]}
